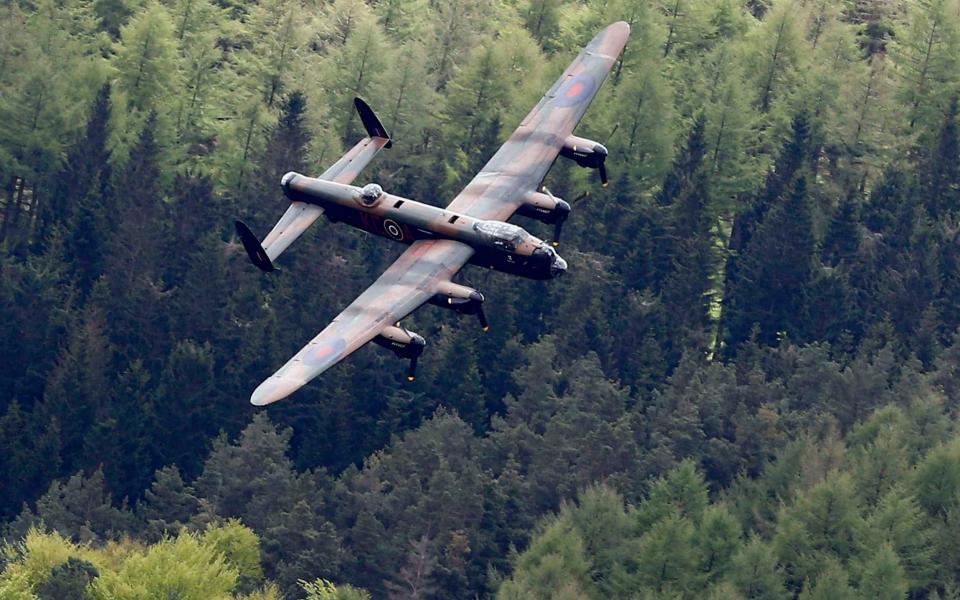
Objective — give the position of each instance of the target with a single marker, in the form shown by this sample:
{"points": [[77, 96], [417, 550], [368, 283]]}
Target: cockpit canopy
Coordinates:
{"points": [[500, 234]]}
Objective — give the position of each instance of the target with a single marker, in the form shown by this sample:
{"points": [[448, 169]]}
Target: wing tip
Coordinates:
{"points": [[619, 30], [610, 40], [272, 390]]}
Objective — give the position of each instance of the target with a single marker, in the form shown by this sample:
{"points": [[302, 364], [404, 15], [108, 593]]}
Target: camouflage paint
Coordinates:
{"points": [[425, 270]]}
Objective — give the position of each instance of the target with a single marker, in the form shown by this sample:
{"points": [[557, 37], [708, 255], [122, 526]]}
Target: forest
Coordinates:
{"points": [[747, 385]]}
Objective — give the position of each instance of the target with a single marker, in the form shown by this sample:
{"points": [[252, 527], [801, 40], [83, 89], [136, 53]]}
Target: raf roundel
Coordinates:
{"points": [[576, 90], [325, 353], [393, 229]]}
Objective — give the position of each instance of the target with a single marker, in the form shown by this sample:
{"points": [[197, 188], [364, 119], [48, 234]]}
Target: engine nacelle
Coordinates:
{"points": [[545, 208], [403, 343], [462, 299], [586, 153]]}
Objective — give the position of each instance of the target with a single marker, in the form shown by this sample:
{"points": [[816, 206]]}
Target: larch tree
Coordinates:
{"points": [[541, 18], [455, 23], [927, 49], [146, 64], [775, 55], [357, 67]]}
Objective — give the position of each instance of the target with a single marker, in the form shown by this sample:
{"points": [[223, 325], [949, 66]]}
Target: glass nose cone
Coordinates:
{"points": [[558, 267]]}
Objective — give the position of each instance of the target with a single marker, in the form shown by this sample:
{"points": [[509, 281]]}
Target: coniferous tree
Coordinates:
{"points": [[883, 577], [168, 505], [80, 509], [80, 188], [774, 274], [941, 179], [680, 179], [754, 572], [842, 239]]}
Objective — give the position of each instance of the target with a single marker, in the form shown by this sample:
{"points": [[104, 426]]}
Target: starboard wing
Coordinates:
{"points": [[409, 282], [522, 162]]}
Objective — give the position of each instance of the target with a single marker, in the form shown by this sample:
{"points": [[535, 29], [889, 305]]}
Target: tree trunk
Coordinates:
{"points": [[8, 207]]}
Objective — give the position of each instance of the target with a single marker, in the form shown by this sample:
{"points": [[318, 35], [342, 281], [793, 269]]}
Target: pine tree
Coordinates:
{"points": [[253, 470], [555, 565], [842, 239], [168, 505], [285, 150], [941, 175], [78, 389], [357, 66], [937, 480], [300, 543], [80, 509], [81, 184], [414, 581], [774, 275], [680, 179]]}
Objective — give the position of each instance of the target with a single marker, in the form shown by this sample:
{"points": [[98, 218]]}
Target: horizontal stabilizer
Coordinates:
{"points": [[255, 251], [370, 122]]}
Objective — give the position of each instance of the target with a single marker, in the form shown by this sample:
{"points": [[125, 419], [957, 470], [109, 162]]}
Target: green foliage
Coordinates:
{"points": [[745, 387], [80, 509], [322, 589], [185, 566], [29, 564], [554, 565], [883, 577], [754, 572], [240, 548], [68, 581]]}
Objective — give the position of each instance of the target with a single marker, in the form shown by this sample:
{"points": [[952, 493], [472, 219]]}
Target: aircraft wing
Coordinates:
{"points": [[409, 282], [300, 215], [522, 162]]}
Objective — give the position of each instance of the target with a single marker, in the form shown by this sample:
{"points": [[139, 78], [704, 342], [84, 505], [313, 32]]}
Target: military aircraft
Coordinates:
{"points": [[472, 228]]}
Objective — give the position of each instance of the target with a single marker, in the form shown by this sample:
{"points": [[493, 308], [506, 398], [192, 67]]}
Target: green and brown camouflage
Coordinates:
{"points": [[471, 229]]}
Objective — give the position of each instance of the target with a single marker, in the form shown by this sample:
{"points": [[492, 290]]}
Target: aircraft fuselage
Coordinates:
{"points": [[501, 246]]}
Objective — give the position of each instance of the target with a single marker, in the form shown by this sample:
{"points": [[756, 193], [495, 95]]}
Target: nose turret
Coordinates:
{"points": [[558, 267]]}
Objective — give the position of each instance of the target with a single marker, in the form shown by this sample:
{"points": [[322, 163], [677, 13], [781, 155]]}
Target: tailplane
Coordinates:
{"points": [[255, 251], [300, 215]]}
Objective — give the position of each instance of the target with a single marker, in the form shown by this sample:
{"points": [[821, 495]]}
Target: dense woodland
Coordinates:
{"points": [[746, 386]]}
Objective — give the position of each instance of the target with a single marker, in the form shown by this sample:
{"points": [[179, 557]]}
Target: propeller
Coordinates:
{"points": [[582, 196], [602, 168], [600, 152], [562, 211], [482, 318], [412, 371]]}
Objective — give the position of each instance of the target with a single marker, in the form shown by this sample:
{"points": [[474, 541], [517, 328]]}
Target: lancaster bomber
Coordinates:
{"points": [[472, 228]]}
